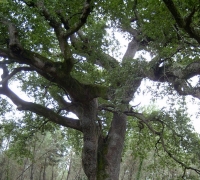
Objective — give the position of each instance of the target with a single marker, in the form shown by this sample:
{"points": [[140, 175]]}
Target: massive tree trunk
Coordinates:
{"points": [[110, 149], [90, 138], [101, 155]]}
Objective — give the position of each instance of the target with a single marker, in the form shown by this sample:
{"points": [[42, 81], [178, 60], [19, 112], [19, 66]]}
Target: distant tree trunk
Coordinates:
{"points": [[32, 171], [78, 175], [63, 174], [8, 170], [40, 175], [32, 165], [123, 175], [132, 166], [70, 164], [139, 169], [52, 173], [2, 167], [44, 172], [24, 169]]}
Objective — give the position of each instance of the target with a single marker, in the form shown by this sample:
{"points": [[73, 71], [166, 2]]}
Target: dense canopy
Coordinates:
{"points": [[65, 56]]}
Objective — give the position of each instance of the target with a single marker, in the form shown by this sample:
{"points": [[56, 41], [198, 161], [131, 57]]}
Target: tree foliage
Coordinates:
{"points": [[64, 55]]}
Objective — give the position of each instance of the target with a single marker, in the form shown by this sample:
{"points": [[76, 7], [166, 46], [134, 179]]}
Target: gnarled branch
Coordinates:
{"points": [[41, 110]]}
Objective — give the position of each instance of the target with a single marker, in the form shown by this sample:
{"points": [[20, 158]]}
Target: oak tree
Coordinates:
{"points": [[64, 56]]}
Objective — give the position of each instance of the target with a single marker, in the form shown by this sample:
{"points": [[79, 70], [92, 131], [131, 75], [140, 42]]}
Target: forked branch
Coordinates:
{"points": [[87, 8]]}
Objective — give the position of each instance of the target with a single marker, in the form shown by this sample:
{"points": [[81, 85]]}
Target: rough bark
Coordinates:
{"points": [[90, 138], [110, 149], [115, 144], [101, 156]]}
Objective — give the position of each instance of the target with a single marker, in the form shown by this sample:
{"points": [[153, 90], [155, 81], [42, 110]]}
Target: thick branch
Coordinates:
{"points": [[191, 70], [10, 61], [30, 58], [59, 31], [84, 49], [176, 74], [131, 50], [182, 23], [14, 43], [83, 18], [68, 106], [58, 74], [40, 110], [106, 61], [63, 19], [184, 88], [5, 74], [130, 84]]}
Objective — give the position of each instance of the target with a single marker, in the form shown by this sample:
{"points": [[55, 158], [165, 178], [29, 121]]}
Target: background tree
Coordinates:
{"points": [[56, 155], [59, 52]]}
